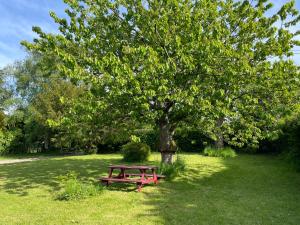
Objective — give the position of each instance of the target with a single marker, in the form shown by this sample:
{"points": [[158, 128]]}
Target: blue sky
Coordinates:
{"points": [[18, 17]]}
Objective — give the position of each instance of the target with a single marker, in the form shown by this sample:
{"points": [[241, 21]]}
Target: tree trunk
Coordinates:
{"points": [[167, 145], [167, 157], [219, 142], [46, 142]]}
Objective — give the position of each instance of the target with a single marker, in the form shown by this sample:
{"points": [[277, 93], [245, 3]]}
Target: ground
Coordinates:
{"points": [[249, 189]]}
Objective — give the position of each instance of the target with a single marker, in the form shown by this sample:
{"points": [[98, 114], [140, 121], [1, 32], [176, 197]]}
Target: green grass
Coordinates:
{"points": [[28, 155], [249, 189], [6, 157]]}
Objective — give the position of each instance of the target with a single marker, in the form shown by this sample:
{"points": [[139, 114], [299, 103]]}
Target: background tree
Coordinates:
{"points": [[164, 62], [51, 104], [39, 95]]}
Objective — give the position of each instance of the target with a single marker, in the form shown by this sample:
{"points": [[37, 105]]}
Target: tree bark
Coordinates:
{"points": [[46, 142], [167, 145], [219, 142]]}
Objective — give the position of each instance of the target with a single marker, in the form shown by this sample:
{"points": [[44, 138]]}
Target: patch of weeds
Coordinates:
{"points": [[172, 170], [75, 189]]}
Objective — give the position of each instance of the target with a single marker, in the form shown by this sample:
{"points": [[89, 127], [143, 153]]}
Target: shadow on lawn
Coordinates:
{"points": [[19, 178], [246, 190]]}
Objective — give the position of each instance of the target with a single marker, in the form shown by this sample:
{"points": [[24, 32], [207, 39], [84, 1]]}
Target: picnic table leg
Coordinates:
{"points": [[140, 185], [154, 176], [143, 171], [123, 175], [109, 175]]}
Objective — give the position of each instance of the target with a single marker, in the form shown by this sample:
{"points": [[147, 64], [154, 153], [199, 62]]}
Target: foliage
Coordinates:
{"points": [[6, 138], [32, 73], [149, 137], [49, 107], [290, 138], [136, 152], [15, 129], [90, 150], [2, 120], [74, 189], [40, 96], [189, 140], [169, 63], [5, 91], [287, 143], [171, 171], [226, 152]]}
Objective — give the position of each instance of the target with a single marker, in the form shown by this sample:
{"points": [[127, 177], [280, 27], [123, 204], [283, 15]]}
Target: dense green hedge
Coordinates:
{"points": [[287, 144]]}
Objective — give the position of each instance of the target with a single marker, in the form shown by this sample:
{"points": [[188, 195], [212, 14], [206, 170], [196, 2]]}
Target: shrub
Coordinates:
{"points": [[74, 189], [172, 170], [226, 152], [136, 152]]}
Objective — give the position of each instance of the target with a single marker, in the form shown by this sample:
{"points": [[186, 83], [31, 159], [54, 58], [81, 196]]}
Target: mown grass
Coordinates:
{"points": [[29, 155], [249, 189]]}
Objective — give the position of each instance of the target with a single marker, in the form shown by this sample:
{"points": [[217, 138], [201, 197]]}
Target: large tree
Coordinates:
{"points": [[167, 62]]}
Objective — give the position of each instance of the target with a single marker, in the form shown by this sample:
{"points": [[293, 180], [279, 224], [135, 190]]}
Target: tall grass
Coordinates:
{"points": [[226, 152], [171, 171]]}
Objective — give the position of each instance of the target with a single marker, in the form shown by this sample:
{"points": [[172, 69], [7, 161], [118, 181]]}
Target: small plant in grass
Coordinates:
{"points": [[172, 170], [136, 152], [74, 189], [226, 152]]}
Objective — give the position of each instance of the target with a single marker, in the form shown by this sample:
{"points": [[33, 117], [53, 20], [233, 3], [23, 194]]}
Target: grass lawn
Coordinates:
{"points": [[23, 156], [11, 157], [249, 189]]}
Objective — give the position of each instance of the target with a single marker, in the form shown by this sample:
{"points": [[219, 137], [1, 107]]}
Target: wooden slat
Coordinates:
{"points": [[148, 175], [132, 167], [121, 180]]}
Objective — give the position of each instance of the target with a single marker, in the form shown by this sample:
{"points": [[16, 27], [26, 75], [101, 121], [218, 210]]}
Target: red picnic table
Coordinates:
{"points": [[139, 178]]}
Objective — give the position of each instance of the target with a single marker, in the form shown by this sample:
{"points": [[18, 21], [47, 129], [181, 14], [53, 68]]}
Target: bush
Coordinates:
{"points": [[136, 152], [172, 170], [74, 189], [226, 152]]}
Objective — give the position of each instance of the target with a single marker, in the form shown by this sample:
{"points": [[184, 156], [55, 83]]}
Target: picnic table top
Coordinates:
{"points": [[143, 167]]}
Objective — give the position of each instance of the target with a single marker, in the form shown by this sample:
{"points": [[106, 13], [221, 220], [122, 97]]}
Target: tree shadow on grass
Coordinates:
{"points": [[246, 190], [20, 178]]}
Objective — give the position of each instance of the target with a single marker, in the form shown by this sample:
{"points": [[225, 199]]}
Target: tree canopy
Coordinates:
{"points": [[175, 62]]}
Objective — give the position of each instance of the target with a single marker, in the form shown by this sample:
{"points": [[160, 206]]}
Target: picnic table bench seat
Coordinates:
{"points": [[122, 180], [148, 175]]}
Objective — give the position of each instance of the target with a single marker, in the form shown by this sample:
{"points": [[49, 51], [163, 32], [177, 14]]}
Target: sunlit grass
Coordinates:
{"points": [[244, 190]]}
